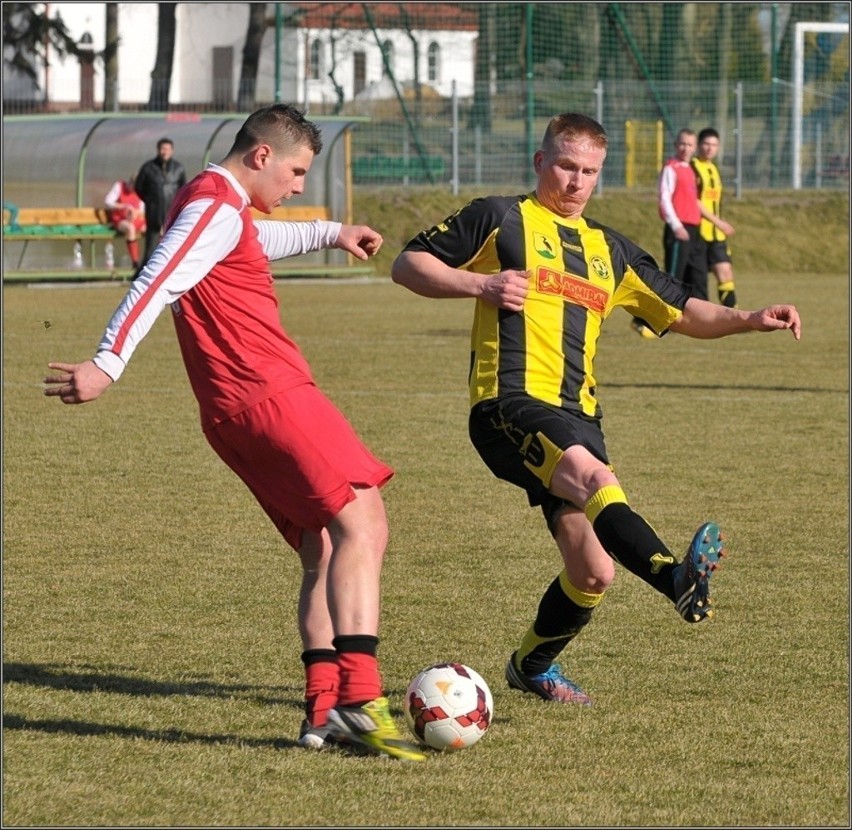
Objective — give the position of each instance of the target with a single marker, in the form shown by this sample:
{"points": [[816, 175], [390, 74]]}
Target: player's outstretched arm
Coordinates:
{"points": [[76, 382], [426, 275], [705, 320], [359, 240]]}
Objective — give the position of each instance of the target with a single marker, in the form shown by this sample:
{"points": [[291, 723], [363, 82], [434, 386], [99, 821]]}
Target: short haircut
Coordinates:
{"points": [[684, 131], [707, 132], [282, 126], [163, 141], [573, 126]]}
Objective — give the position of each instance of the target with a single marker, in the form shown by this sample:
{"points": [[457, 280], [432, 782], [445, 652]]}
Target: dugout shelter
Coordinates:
{"points": [[57, 169]]}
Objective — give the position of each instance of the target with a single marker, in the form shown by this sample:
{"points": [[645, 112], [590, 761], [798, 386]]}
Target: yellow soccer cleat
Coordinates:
{"points": [[372, 727]]}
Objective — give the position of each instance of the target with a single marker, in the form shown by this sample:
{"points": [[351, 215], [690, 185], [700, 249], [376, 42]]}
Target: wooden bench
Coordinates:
{"points": [[30, 220], [91, 224], [80, 224]]}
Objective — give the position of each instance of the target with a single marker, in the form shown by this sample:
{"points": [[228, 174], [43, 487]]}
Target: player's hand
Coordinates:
{"points": [[508, 289], [777, 317], [682, 234], [76, 382], [359, 240], [726, 227]]}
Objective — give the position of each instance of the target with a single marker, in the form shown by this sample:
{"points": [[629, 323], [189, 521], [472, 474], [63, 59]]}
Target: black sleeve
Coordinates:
{"points": [[457, 239], [627, 255], [140, 183]]}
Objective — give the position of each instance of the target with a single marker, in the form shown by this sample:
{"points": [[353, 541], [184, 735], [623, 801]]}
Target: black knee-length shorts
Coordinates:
{"points": [[521, 440]]}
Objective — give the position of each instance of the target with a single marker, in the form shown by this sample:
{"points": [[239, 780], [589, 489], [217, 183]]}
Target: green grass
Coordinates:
{"points": [[151, 662]]}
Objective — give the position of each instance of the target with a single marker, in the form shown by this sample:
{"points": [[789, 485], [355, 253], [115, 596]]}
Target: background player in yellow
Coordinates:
{"points": [[714, 231], [545, 278]]}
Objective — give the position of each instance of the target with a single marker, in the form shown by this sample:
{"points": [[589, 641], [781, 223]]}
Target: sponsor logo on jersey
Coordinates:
{"points": [[574, 289]]}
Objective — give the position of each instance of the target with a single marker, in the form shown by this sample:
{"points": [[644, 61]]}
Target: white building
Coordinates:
{"points": [[327, 50]]}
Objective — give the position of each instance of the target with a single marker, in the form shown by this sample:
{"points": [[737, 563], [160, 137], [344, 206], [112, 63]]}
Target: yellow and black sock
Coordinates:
{"points": [[630, 540], [563, 612], [728, 294]]}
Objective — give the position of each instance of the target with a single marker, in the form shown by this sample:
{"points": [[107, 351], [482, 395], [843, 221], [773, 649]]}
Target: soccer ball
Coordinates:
{"points": [[448, 706]]}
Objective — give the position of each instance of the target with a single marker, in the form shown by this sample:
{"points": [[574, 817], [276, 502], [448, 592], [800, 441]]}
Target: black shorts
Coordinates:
{"points": [[718, 252], [521, 439]]}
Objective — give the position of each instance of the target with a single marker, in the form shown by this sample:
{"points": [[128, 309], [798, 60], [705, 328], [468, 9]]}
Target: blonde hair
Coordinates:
{"points": [[573, 126]]}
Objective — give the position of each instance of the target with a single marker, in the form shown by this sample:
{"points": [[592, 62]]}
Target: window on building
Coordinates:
{"points": [[315, 70], [434, 62], [387, 62], [359, 82]]}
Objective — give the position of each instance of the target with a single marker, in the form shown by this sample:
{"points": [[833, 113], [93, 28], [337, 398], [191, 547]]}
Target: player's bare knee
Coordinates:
{"points": [[592, 577], [599, 477], [587, 563]]}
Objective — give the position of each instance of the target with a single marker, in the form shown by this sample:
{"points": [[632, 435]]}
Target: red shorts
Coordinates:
{"points": [[138, 222], [300, 457]]}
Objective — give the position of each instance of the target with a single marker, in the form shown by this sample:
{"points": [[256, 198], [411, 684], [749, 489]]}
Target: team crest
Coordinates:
{"points": [[599, 267], [543, 246]]}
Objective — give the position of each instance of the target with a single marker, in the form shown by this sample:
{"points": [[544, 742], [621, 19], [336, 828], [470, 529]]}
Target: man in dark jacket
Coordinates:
{"points": [[157, 183]]}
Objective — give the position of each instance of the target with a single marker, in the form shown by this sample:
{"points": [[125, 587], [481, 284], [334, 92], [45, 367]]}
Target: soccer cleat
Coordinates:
{"points": [[371, 726], [642, 330], [692, 576], [315, 737], [551, 685]]}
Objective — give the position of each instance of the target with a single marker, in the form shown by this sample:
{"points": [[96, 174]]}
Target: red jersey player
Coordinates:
{"points": [[261, 410]]}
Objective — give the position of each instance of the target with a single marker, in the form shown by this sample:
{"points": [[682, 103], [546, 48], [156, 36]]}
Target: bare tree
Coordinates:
{"points": [[257, 24], [111, 58], [26, 35], [161, 75], [333, 41], [339, 91], [415, 57]]}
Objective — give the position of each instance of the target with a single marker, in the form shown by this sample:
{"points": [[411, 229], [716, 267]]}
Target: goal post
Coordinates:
{"points": [[801, 30]]}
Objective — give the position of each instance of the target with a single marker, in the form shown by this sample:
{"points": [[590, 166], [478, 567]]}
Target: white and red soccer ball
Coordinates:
{"points": [[448, 706]]}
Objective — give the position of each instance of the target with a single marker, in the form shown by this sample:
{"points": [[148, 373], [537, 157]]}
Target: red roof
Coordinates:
{"points": [[385, 15]]}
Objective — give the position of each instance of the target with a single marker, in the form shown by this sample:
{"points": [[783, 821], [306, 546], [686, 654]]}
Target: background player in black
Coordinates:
{"points": [[544, 279], [714, 230]]}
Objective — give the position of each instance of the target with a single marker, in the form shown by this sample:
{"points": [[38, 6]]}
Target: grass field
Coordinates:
{"points": [[151, 664]]}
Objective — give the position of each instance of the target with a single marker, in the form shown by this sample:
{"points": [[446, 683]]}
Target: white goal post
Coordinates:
{"points": [[798, 87]]}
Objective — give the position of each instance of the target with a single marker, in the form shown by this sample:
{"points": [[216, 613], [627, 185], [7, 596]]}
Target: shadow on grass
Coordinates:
{"points": [[76, 727], [718, 387], [91, 679]]}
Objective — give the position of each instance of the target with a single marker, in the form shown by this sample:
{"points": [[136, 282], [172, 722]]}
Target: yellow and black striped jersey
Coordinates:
{"points": [[579, 270], [709, 184]]}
